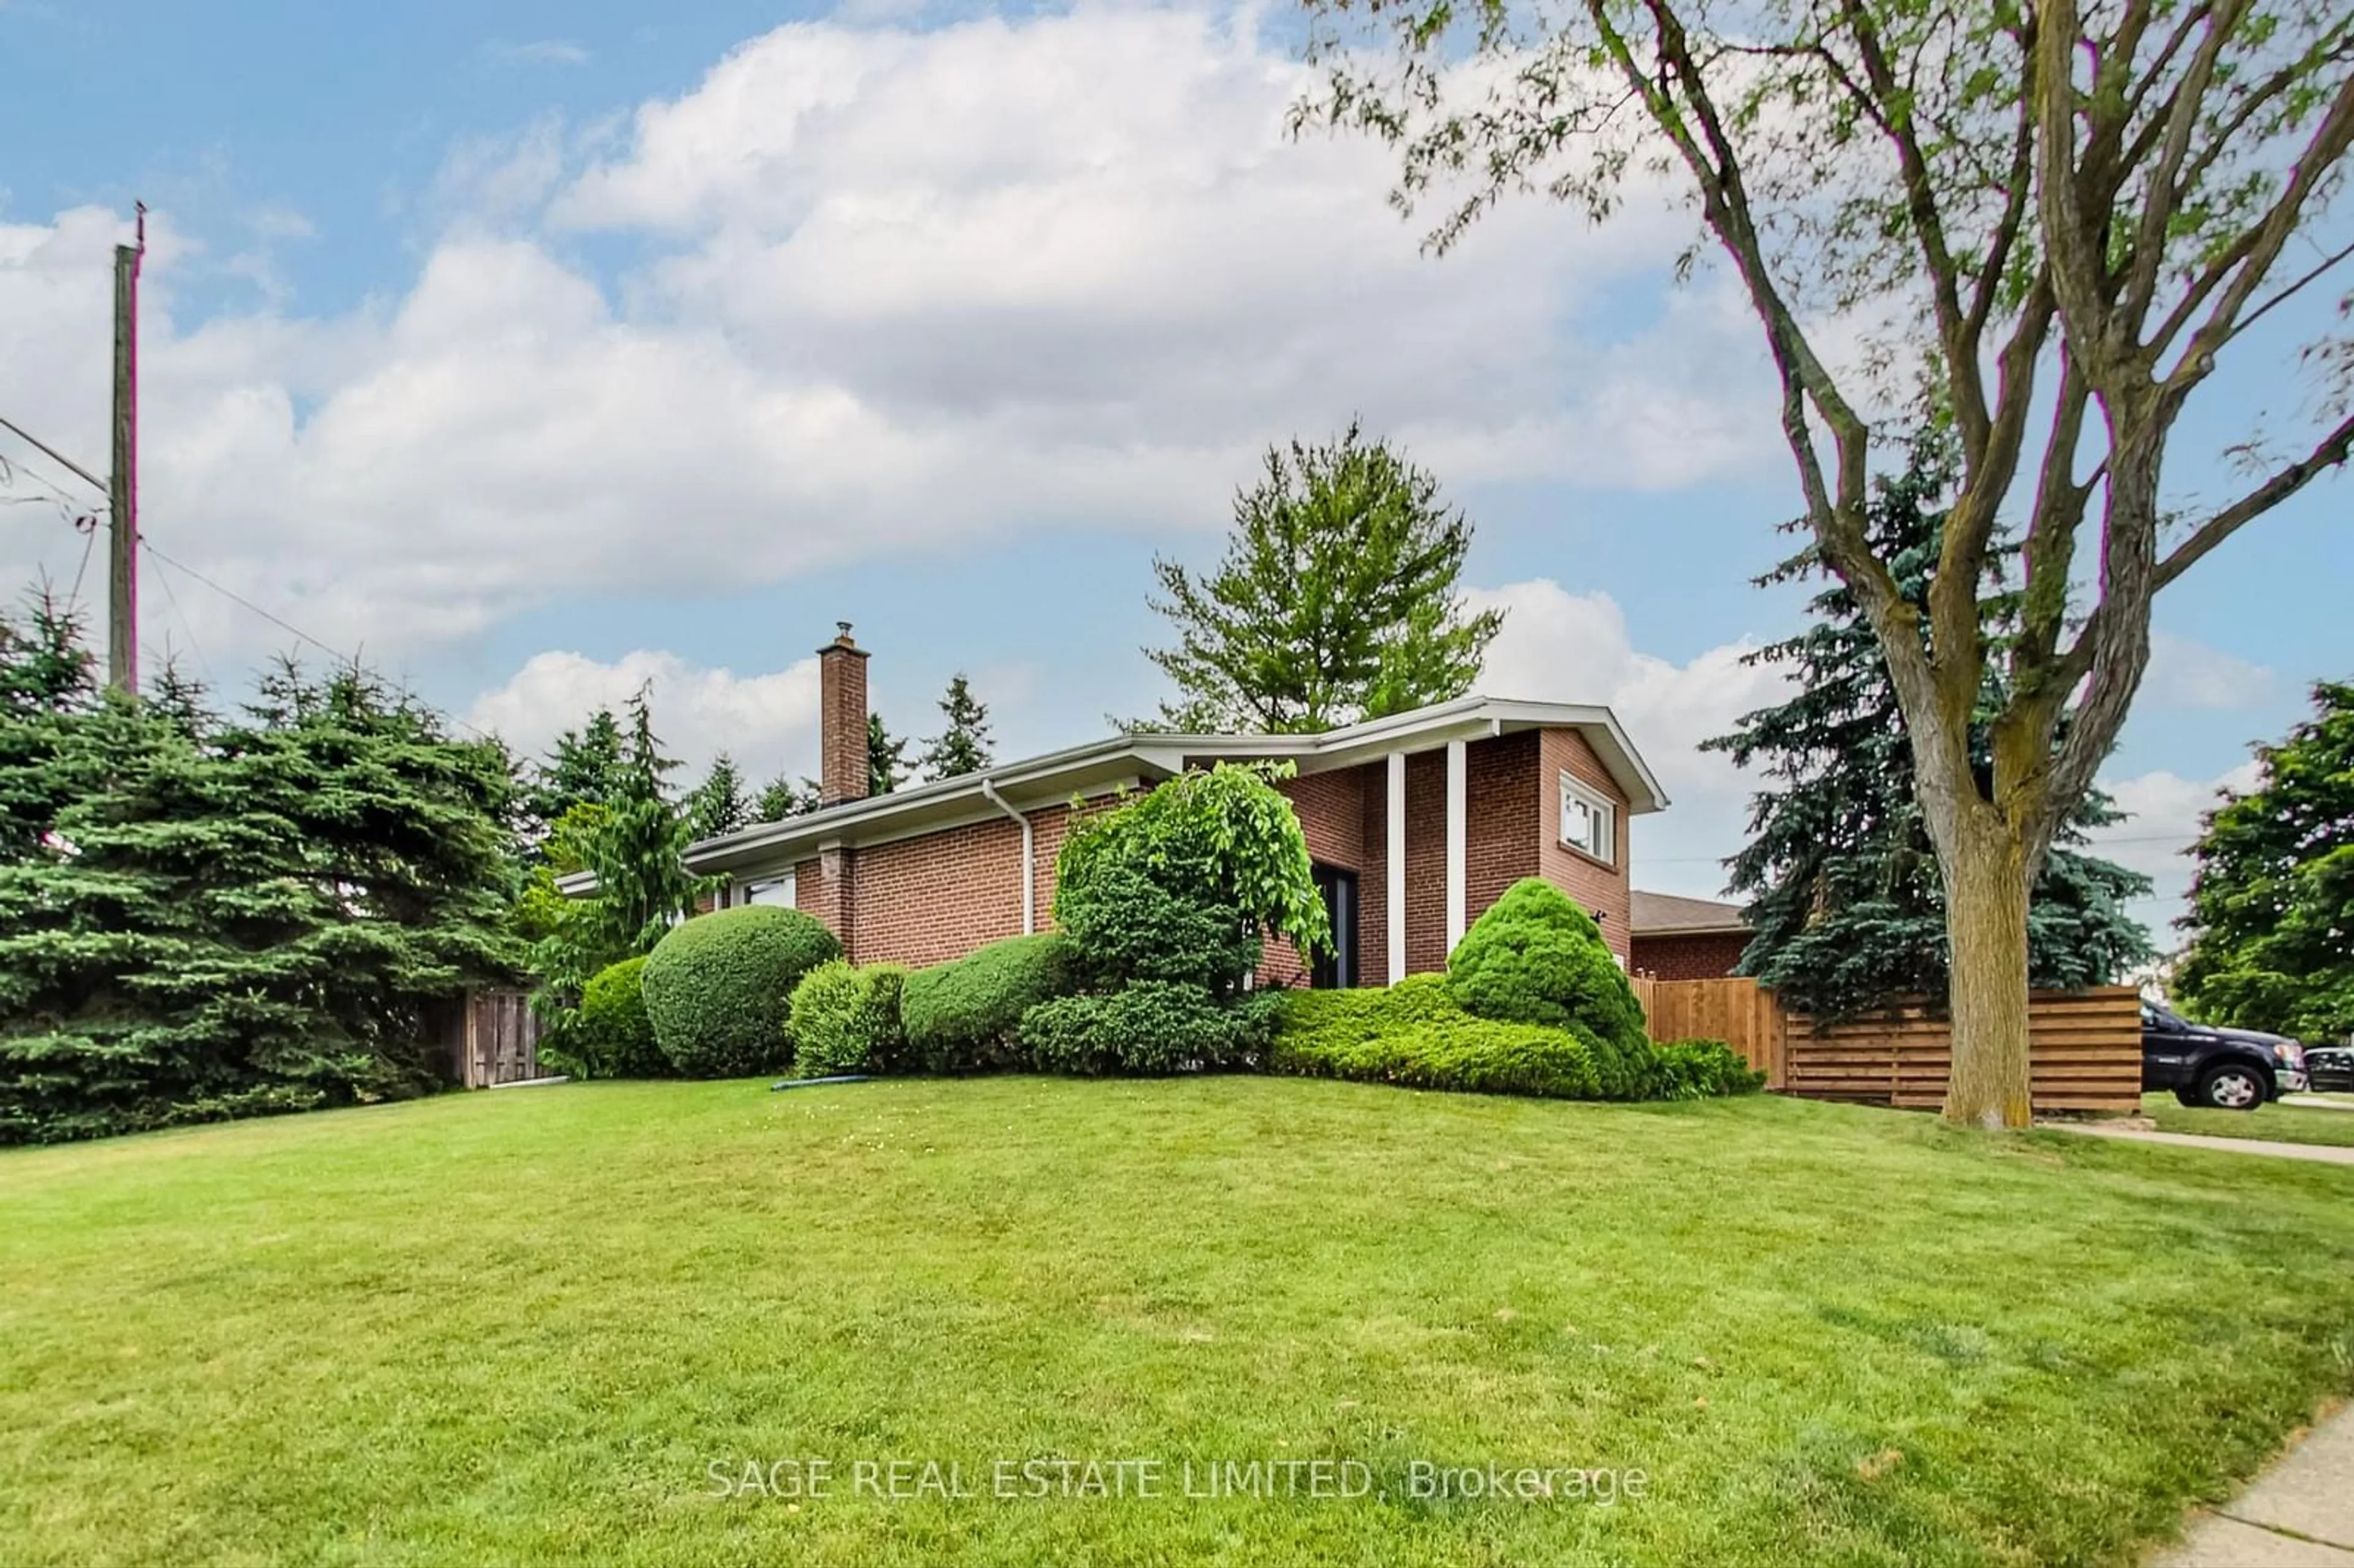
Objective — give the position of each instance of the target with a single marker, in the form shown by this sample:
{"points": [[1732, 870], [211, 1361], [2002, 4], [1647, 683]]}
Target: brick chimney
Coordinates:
{"points": [[842, 719]]}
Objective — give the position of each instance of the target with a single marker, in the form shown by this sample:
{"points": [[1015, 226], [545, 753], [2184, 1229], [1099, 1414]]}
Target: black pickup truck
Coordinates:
{"points": [[2206, 1065]]}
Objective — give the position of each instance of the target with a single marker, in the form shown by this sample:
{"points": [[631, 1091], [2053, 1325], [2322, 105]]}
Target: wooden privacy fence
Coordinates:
{"points": [[2084, 1046], [492, 1037]]}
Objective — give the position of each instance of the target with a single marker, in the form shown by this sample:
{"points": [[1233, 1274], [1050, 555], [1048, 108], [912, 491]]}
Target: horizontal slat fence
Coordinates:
{"points": [[2085, 1046]]}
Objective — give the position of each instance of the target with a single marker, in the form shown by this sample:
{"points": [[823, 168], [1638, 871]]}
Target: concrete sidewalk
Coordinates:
{"points": [[2321, 1153], [2300, 1513]]}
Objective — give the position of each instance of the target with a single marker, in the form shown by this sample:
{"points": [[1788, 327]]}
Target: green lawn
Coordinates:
{"points": [[519, 1327], [2278, 1122]]}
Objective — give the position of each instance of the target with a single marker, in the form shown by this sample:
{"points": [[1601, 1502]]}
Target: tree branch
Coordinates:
{"points": [[2330, 452]]}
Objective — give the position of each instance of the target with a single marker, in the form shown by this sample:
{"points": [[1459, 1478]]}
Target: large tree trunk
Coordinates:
{"points": [[1986, 872]]}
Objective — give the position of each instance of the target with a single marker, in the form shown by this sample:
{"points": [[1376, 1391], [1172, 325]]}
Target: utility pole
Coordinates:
{"points": [[122, 490]]}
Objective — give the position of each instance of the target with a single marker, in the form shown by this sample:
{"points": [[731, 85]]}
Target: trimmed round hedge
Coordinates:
{"points": [[616, 1038], [847, 1020], [718, 988], [965, 1016], [1536, 957]]}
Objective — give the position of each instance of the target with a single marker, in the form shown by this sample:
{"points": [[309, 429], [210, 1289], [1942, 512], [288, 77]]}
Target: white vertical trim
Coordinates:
{"points": [[1029, 855], [1459, 775], [1393, 867]]}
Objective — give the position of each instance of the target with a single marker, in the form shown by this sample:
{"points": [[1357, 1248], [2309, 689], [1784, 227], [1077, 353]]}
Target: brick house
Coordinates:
{"points": [[1417, 823], [1686, 939]]}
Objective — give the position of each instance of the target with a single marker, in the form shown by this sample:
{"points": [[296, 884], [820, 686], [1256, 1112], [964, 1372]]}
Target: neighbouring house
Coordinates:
{"points": [[1686, 939], [1417, 823]]}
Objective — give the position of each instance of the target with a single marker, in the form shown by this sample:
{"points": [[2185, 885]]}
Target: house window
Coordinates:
{"points": [[1336, 968], [1589, 822], [777, 890]]}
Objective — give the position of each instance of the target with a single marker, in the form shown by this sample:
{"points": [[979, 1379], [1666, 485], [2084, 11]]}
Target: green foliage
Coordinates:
{"points": [[886, 758], [966, 1015], [847, 1020], [1415, 1033], [1845, 899], [962, 745], [633, 844], [2271, 902], [1145, 1029], [1536, 957], [1701, 1069], [1336, 599], [719, 988], [718, 805], [1224, 840], [204, 918], [615, 1038], [1127, 928], [584, 768], [781, 798]]}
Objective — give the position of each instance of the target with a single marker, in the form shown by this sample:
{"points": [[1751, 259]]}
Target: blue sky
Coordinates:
{"points": [[540, 349]]}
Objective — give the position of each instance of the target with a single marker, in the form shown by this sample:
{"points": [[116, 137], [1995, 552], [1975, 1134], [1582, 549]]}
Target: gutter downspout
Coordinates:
{"points": [[1029, 872]]}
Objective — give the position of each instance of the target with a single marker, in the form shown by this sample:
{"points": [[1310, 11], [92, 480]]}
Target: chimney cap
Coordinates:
{"points": [[842, 642]]}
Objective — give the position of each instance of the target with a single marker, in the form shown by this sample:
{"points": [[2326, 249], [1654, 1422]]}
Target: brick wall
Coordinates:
{"points": [[1601, 889], [1708, 955]]}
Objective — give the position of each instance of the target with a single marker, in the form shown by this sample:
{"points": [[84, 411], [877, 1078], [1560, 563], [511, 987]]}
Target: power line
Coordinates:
{"points": [[182, 617], [89, 478], [236, 598]]}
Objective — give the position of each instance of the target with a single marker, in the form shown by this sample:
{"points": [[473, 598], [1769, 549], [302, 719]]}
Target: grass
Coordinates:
{"points": [[2277, 1122], [520, 1326]]}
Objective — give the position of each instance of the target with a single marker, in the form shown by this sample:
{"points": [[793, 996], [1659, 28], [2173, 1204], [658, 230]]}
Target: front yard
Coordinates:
{"points": [[2280, 1122], [523, 1327]]}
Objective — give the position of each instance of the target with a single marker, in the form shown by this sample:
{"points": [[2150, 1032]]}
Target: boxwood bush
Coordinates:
{"points": [[847, 1020], [718, 988], [614, 1038], [1146, 1028], [1536, 957], [1415, 1033], [966, 1016], [1697, 1069]]}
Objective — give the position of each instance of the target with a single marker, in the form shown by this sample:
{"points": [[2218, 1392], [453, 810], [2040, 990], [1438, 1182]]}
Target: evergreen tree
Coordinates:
{"points": [[886, 758], [584, 767], [2272, 904], [47, 678], [1844, 896], [1336, 599], [962, 745], [255, 920], [718, 804], [782, 798]]}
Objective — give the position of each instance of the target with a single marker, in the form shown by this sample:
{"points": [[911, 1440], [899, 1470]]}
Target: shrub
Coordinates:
{"points": [[1699, 1069], [967, 1015], [1125, 926], [718, 987], [1536, 957], [1151, 1027], [1415, 1033], [847, 1020], [614, 1038]]}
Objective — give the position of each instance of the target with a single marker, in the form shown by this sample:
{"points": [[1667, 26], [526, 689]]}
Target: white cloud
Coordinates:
{"points": [[905, 289], [1559, 646], [767, 722], [2164, 814], [2186, 673]]}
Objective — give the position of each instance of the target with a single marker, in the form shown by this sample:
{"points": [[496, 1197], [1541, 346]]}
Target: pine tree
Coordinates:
{"points": [[2272, 904], [886, 758], [782, 798], [1845, 899], [962, 745], [1336, 599], [253, 920], [718, 805]]}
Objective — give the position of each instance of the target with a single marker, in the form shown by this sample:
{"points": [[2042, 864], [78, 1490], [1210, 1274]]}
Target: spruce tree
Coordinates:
{"points": [[781, 798], [886, 758], [962, 745], [584, 767], [1844, 899], [1336, 600], [718, 805]]}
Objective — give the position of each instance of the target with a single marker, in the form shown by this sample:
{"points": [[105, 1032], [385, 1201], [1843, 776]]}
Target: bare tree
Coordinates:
{"points": [[2070, 213]]}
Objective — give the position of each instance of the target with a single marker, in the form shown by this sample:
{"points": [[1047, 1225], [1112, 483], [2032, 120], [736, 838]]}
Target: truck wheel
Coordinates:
{"points": [[2232, 1086]]}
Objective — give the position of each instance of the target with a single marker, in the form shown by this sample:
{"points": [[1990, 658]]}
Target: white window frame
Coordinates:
{"points": [[749, 890], [1600, 809]]}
